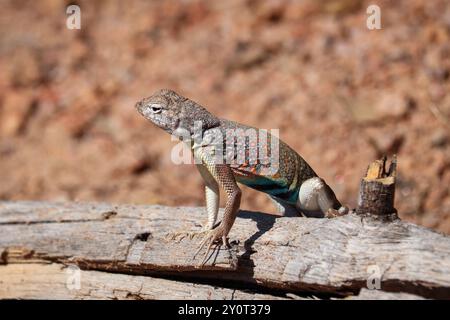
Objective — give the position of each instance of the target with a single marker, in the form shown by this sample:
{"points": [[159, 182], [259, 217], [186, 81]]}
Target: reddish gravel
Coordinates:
{"points": [[340, 94]]}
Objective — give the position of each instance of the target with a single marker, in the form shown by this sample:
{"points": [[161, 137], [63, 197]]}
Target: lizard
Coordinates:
{"points": [[292, 184]]}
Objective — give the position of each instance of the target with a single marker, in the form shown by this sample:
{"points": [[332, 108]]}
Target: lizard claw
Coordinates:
{"points": [[333, 213], [216, 235]]}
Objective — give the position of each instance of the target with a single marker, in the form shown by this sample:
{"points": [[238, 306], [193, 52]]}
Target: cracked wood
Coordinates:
{"points": [[290, 254]]}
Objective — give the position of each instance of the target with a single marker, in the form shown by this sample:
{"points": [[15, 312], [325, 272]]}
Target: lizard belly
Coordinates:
{"points": [[270, 185]]}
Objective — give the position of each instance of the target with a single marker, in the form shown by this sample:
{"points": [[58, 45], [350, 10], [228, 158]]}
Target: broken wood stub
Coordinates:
{"points": [[377, 190]]}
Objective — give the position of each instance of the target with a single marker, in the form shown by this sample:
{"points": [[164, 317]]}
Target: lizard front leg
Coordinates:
{"points": [[212, 206], [212, 196], [224, 176]]}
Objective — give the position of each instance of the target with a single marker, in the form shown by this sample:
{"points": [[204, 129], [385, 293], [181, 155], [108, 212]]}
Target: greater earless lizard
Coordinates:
{"points": [[283, 174]]}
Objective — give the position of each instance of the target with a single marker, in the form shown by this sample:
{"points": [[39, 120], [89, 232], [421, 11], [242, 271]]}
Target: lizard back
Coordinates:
{"points": [[279, 172]]}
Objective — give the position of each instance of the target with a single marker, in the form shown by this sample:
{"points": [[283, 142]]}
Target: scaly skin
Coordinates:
{"points": [[293, 186]]}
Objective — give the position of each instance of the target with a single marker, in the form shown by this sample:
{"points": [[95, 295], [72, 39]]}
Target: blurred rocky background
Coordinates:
{"points": [[341, 95]]}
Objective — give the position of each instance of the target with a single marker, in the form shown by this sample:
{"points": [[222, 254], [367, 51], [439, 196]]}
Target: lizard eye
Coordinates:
{"points": [[156, 108]]}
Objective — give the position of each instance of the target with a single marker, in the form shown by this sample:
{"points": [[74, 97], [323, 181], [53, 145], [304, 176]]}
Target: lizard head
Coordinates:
{"points": [[174, 113]]}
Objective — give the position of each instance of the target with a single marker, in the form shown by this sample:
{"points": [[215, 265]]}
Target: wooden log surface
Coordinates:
{"points": [[281, 254], [53, 281]]}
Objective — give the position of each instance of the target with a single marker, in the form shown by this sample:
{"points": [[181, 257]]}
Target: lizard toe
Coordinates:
{"points": [[211, 238]]}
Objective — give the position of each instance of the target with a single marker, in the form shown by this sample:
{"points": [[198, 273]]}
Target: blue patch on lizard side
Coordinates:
{"points": [[277, 188]]}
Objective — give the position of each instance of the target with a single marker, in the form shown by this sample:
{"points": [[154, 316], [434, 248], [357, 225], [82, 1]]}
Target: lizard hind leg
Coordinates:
{"points": [[318, 200], [285, 209]]}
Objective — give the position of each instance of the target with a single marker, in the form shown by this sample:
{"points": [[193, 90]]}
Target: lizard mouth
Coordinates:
{"points": [[159, 123]]}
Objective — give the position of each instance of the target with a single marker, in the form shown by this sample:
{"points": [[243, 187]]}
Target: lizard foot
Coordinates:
{"points": [[216, 235], [333, 213]]}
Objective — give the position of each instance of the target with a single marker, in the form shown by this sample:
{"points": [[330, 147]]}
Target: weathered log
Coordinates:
{"points": [[377, 190], [285, 254], [57, 281]]}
